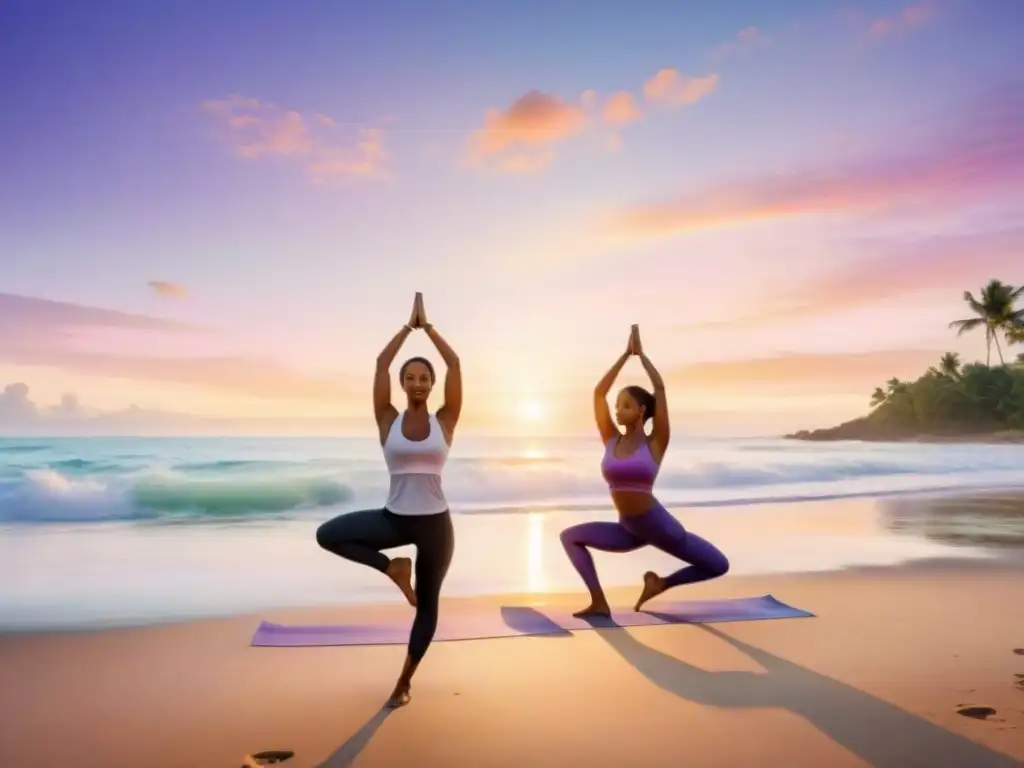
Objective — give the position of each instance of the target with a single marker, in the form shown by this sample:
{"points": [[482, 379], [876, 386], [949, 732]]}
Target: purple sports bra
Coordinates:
{"points": [[636, 472]]}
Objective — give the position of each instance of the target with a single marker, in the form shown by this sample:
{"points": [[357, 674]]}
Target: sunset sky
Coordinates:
{"points": [[214, 215]]}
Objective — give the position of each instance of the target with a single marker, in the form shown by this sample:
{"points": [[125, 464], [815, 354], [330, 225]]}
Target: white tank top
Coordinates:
{"points": [[415, 467]]}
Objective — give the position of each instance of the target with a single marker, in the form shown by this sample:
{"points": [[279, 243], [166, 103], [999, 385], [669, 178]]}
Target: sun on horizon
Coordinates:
{"points": [[532, 410]]}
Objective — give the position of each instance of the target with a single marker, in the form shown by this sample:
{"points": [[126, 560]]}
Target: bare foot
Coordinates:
{"points": [[654, 585], [401, 696], [400, 572], [596, 608]]}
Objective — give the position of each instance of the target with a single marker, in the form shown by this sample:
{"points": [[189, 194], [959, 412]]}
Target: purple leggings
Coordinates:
{"points": [[655, 527]]}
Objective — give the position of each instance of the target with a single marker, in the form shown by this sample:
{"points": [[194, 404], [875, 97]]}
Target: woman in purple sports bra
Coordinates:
{"points": [[630, 467]]}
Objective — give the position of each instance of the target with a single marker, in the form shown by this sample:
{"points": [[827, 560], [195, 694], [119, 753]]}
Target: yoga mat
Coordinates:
{"points": [[521, 621]]}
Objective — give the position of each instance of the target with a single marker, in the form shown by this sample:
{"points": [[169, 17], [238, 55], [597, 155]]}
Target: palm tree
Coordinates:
{"points": [[893, 387], [995, 312], [878, 397], [896, 392], [896, 387], [949, 365]]}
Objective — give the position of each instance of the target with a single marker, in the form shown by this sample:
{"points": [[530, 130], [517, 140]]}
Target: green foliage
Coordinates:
{"points": [[952, 400]]}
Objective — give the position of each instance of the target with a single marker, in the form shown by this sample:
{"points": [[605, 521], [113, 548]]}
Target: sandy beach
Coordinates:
{"points": [[875, 678]]}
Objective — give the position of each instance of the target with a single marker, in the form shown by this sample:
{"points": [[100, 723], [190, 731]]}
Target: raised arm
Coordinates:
{"points": [[383, 410], [661, 432], [605, 425], [448, 414]]}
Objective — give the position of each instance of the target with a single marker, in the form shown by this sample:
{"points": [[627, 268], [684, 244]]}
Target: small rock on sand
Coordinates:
{"points": [[977, 712]]}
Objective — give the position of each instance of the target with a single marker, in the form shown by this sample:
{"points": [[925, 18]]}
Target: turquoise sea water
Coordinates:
{"points": [[101, 530]]}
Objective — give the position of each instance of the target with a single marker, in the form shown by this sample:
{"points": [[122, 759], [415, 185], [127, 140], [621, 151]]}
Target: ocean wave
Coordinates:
{"points": [[230, 481], [225, 465], [85, 465], [722, 475], [45, 495], [225, 498], [26, 448]]}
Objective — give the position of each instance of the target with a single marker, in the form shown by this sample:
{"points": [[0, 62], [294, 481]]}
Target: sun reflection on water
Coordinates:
{"points": [[535, 579], [535, 453]]}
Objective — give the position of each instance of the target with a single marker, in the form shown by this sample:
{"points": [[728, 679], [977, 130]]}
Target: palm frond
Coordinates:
{"points": [[963, 326], [977, 306]]}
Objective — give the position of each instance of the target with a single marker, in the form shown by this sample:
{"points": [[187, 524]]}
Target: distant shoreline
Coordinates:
{"points": [[848, 432]]}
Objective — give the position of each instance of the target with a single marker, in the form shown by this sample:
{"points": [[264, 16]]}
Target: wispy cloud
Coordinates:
{"points": [[37, 317], [20, 415], [907, 18], [235, 374], [170, 290], [833, 373], [323, 147], [522, 138], [55, 334], [896, 271], [747, 40], [978, 150]]}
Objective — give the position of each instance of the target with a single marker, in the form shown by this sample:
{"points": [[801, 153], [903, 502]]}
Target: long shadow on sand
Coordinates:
{"points": [[346, 754], [880, 733], [531, 622]]}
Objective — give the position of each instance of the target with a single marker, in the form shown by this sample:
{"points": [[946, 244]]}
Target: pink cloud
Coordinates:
{"points": [[236, 374], [980, 150], [366, 158], [40, 317], [21, 416], [670, 88], [317, 143], [747, 40], [170, 290], [55, 334], [529, 127], [907, 18], [952, 263], [621, 109], [522, 138], [834, 373]]}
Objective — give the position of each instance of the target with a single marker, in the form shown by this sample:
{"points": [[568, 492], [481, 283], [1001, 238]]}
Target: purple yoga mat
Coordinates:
{"points": [[521, 621]]}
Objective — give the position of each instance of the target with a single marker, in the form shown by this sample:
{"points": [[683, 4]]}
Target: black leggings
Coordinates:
{"points": [[360, 537]]}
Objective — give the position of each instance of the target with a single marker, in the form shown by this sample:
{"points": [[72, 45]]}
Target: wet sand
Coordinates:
{"points": [[67, 577]]}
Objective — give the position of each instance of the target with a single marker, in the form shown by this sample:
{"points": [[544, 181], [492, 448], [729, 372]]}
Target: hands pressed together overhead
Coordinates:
{"points": [[418, 318], [634, 347]]}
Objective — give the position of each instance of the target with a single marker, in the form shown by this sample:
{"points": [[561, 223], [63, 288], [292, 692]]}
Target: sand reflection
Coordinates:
{"points": [[994, 519]]}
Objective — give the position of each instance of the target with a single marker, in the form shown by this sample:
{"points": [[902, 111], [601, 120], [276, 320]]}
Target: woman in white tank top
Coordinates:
{"points": [[415, 444]]}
